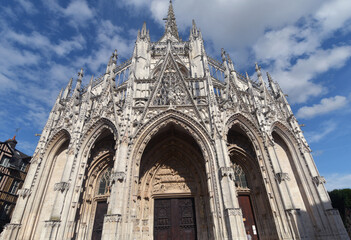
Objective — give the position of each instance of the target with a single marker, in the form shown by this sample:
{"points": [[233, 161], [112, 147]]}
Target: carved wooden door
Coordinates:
{"points": [[248, 216], [101, 210], [174, 219]]}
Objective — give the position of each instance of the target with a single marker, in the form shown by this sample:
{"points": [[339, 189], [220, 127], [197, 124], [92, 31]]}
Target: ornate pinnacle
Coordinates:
{"points": [[171, 25], [272, 84], [114, 57], [80, 75], [143, 30], [67, 89], [193, 29], [258, 70], [223, 53]]}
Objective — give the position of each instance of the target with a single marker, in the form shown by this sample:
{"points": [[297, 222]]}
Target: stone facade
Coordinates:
{"points": [[173, 123]]}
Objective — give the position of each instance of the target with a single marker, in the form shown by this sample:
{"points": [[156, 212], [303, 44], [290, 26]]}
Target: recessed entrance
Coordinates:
{"points": [[101, 210], [174, 219], [248, 216]]}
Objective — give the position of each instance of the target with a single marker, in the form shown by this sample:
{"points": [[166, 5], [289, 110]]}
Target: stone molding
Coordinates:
{"points": [[113, 218], [24, 192], [233, 212], [52, 223], [318, 180], [61, 186], [227, 172], [12, 226], [118, 176], [282, 176], [332, 211], [293, 211]]}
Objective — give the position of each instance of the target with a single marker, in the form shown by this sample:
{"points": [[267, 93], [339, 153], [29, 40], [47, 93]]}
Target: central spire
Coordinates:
{"points": [[171, 25]]}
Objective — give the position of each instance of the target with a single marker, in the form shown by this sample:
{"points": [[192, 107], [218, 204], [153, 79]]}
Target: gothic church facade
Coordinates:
{"points": [[173, 144]]}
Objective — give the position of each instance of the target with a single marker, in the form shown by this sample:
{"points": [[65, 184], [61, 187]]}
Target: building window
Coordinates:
{"points": [[5, 161], [104, 184], [240, 177], [14, 187], [5, 211], [23, 166]]}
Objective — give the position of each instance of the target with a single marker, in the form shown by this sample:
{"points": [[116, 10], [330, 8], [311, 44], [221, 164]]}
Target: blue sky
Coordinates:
{"points": [[305, 45]]}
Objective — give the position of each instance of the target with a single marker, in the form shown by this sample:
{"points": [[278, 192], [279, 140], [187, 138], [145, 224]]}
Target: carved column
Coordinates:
{"points": [[113, 217], [232, 211]]}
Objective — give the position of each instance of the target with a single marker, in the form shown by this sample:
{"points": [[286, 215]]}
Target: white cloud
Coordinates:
{"points": [[327, 105], [27, 6], [78, 11], [337, 181], [334, 14], [297, 80], [325, 129], [42, 43], [108, 38]]}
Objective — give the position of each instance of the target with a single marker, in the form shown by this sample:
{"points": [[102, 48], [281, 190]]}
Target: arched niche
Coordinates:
{"points": [[286, 163], [94, 199], [250, 185], [55, 160], [172, 175]]}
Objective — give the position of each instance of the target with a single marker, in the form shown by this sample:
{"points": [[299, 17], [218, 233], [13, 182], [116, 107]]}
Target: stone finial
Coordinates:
{"points": [[223, 55], [79, 80], [272, 84], [193, 30], [258, 70], [143, 30], [67, 89], [80, 74], [114, 57]]}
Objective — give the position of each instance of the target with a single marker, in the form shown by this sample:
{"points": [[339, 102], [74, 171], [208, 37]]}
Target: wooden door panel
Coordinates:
{"points": [[187, 224], [174, 219], [162, 221], [248, 216], [101, 210]]}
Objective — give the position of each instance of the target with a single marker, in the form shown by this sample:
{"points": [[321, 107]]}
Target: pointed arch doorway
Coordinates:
{"points": [[250, 186], [172, 199]]}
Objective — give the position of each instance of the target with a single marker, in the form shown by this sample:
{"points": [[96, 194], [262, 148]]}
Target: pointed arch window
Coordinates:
{"points": [[104, 183], [240, 177]]}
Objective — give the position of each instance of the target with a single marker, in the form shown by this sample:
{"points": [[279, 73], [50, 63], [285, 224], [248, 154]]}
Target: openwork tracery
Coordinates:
{"points": [[240, 177], [105, 183]]}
